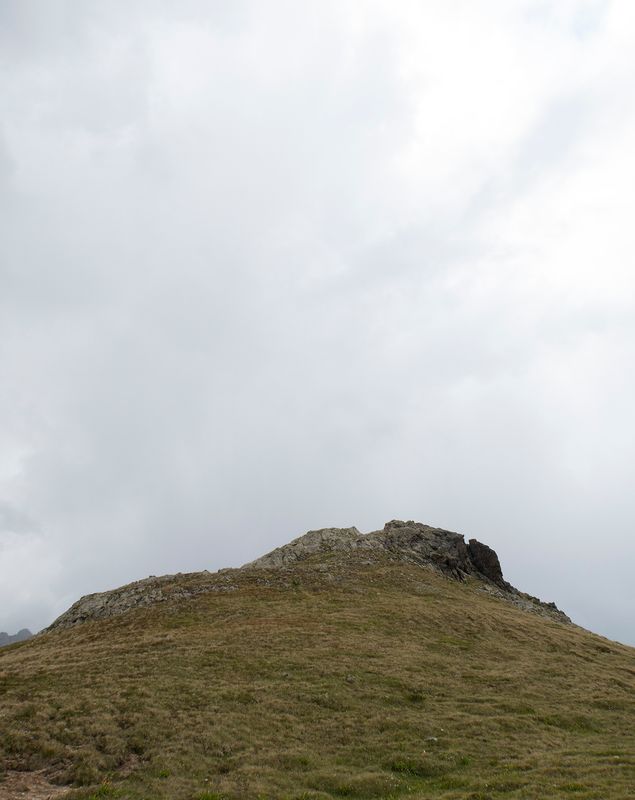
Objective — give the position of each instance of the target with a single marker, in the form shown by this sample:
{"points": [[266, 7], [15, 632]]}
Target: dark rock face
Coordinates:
{"points": [[409, 541], [486, 562], [422, 544], [20, 636], [413, 543], [405, 541]]}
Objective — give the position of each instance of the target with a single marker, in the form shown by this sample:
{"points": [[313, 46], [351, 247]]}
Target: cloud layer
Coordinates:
{"points": [[271, 267]]}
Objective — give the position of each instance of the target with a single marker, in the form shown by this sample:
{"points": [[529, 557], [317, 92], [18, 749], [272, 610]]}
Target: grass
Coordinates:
{"points": [[358, 681]]}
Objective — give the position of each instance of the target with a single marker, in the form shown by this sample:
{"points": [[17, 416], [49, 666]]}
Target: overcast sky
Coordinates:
{"points": [[274, 266]]}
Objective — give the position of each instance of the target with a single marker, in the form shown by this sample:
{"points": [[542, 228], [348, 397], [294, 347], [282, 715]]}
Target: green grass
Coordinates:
{"points": [[363, 681]]}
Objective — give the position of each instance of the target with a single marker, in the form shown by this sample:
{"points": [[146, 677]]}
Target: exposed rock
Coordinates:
{"points": [[20, 636], [414, 543], [146, 592], [422, 544], [526, 602], [320, 541], [486, 562], [407, 542], [410, 541]]}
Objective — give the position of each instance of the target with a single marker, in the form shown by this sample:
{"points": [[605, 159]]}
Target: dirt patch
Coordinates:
{"points": [[31, 785]]}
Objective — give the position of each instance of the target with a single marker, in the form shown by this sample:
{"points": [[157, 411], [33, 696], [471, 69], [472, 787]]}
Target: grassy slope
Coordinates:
{"points": [[373, 682]]}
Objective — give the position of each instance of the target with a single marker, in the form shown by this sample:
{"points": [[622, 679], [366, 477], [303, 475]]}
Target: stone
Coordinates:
{"points": [[313, 542], [407, 542], [410, 541], [486, 562], [413, 543]]}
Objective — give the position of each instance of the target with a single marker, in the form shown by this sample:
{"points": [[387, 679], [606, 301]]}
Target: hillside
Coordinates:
{"points": [[396, 664]]}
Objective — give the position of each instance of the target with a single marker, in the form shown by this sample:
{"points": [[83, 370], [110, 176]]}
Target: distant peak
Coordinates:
{"points": [[21, 636]]}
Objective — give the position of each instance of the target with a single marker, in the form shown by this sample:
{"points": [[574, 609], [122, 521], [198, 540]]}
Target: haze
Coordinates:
{"points": [[267, 267]]}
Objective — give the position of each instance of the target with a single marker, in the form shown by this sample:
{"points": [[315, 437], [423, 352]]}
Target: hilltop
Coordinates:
{"points": [[393, 664], [410, 542]]}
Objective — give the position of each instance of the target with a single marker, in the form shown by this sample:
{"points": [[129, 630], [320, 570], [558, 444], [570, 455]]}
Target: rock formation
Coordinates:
{"points": [[410, 542], [20, 636], [146, 592], [486, 562], [398, 542], [413, 543]]}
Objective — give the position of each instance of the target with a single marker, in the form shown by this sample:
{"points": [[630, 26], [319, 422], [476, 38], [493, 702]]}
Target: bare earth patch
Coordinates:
{"points": [[31, 785]]}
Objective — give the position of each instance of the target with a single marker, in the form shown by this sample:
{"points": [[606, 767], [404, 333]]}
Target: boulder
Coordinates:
{"points": [[486, 562]]}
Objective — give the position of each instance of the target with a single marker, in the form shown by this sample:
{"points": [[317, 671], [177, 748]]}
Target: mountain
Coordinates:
{"points": [[20, 636], [394, 664]]}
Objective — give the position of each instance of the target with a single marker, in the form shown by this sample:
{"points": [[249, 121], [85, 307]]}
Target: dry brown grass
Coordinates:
{"points": [[364, 681]]}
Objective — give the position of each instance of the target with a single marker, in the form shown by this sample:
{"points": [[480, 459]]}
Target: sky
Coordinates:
{"points": [[271, 267]]}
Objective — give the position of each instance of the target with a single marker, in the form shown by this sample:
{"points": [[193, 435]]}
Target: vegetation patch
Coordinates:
{"points": [[351, 683]]}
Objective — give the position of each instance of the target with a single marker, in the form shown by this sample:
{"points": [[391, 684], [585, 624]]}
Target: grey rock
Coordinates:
{"points": [[414, 543], [20, 636], [325, 540], [326, 551], [422, 544], [146, 592], [411, 542]]}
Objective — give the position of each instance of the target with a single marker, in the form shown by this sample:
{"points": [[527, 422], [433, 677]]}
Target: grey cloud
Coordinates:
{"points": [[229, 313], [15, 520]]}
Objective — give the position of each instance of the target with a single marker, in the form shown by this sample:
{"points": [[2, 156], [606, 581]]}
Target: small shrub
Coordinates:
{"points": [[416, 696]]}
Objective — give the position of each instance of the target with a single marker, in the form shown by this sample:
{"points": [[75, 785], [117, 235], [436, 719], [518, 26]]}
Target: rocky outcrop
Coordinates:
{"points": [[101, 605], [20, 636], [422, 544], [140, 594], [413, 543], [325, 540], [402, 542], [486, 562]]}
